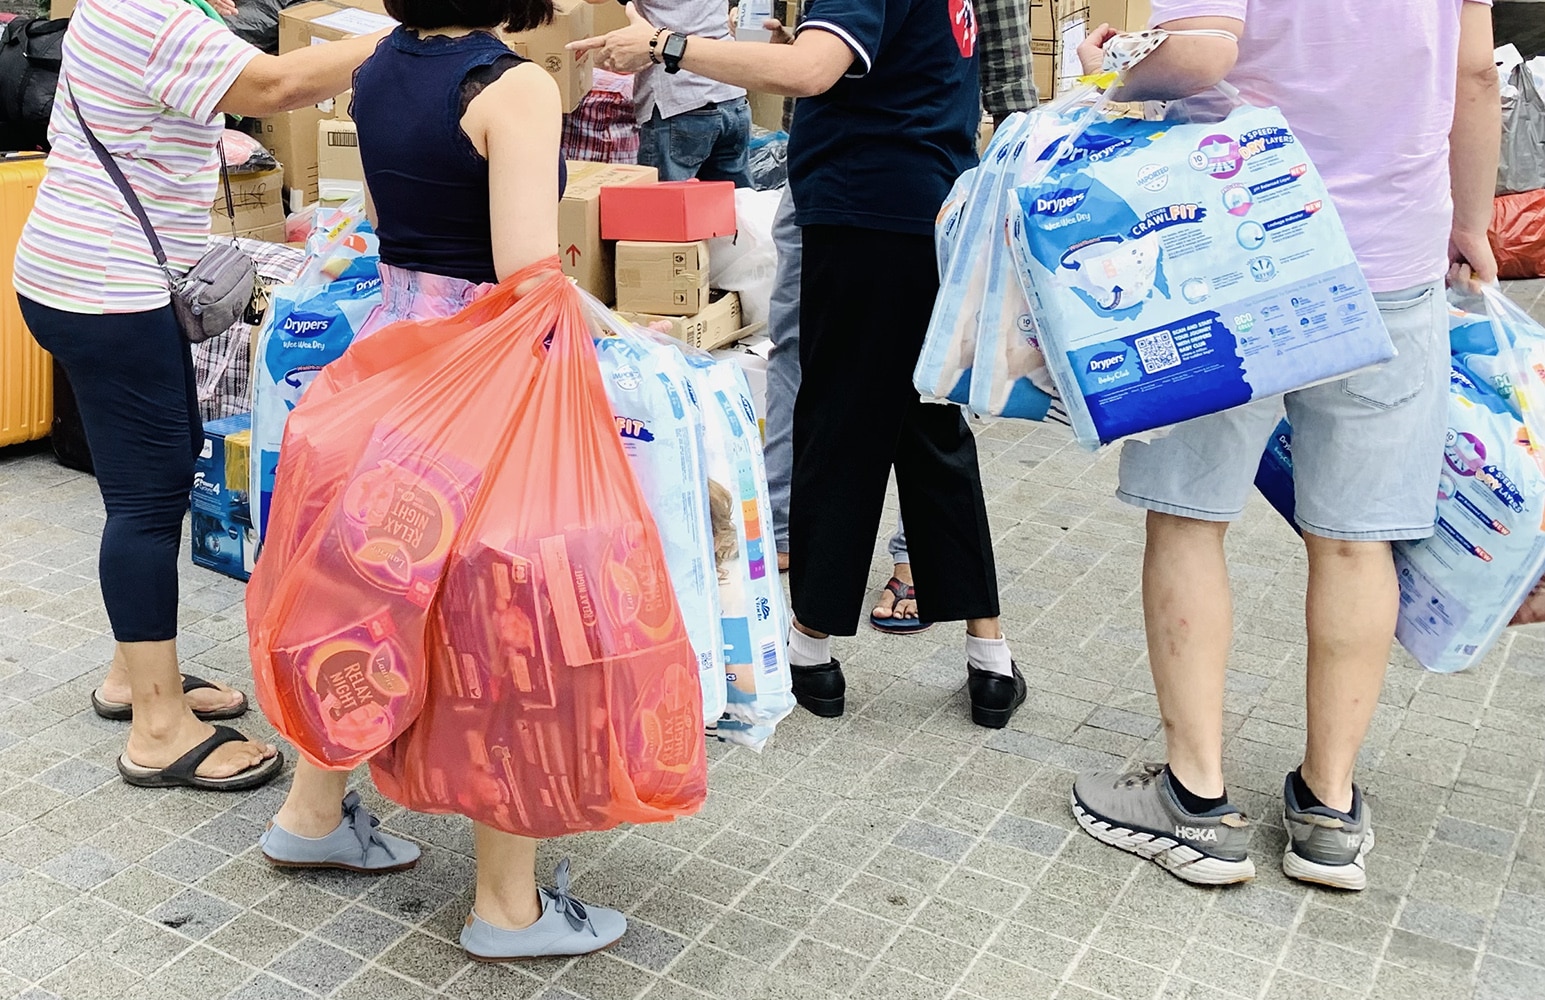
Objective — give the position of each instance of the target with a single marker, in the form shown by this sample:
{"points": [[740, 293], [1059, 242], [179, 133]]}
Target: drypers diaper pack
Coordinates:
{"points": [[662, 433], [1177, 270], [307, 327], [1459, 588]]}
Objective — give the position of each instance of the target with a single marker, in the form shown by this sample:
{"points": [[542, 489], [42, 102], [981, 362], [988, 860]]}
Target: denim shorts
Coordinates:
{"points": [[1367, 450], [709, 144]]}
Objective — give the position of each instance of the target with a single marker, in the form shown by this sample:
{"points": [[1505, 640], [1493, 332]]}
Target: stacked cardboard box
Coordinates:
{"points": [[586, 257], [663, 261]]}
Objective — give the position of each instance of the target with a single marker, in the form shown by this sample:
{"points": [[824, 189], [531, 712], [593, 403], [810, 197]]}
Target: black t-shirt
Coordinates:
{"points": [[882, 147]]}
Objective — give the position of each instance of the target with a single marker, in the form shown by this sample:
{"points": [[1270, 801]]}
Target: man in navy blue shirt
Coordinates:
{"points": [[888, 121]]}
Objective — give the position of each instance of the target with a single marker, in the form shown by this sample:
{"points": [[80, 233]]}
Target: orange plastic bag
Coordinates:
{"points": [[462, 582], [1518, 235]]}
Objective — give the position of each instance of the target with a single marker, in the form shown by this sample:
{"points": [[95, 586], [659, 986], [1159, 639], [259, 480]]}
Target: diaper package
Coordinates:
{"points": [[969, 225], [662, 433], [1176, 270], [1459, 588], [755, 619], [307, 327]]}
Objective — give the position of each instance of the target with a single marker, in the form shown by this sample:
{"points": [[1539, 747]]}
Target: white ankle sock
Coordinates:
{"points": [[990, 654], [807, 650]]}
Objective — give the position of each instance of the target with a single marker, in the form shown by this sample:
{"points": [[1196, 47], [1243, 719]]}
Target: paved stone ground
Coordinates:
{"points": [[899, 854]]}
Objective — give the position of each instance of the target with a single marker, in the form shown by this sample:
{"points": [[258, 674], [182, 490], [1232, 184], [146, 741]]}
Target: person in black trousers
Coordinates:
{"points": [[888, 121]]}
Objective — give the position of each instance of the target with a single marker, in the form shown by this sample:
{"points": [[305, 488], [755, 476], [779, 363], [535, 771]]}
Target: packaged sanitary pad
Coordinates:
{"points": [[662, 432], [1176, 270]]}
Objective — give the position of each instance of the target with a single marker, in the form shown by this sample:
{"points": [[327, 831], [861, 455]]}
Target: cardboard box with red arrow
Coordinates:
{"points": [[586, 258]]}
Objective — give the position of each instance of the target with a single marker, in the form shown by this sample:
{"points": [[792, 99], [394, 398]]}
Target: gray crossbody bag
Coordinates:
{"points": [[214, 294]]}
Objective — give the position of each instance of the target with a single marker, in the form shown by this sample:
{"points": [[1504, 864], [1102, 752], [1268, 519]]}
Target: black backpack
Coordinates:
{"points": [[30, 53]]}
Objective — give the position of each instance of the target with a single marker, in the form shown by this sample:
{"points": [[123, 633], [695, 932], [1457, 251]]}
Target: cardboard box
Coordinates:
{"points": [[716, 325], [259, 202], [546, 46], [341, 106], [586, 258], [1043, 26], [340, 174], [669, 212], [325, 21], [1044, 55], [766, 110], [223, 537], [609, 17], [292, 138], [669, 278], [61, 8]]}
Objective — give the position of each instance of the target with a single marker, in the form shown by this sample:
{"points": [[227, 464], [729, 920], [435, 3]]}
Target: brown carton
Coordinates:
{"points": [[670, 278], [716, 325], [292, 138], [586, 258], [546, 46]]}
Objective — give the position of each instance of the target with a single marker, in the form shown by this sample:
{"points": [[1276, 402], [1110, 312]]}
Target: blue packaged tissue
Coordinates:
{"points": [[1177, 270]]}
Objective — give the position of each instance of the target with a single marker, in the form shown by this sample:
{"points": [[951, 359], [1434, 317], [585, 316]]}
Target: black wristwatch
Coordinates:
{"points": [[671, 52]]}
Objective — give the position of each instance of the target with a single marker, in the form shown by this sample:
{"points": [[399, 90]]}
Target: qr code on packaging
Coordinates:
{"points": [[1157, 352]]}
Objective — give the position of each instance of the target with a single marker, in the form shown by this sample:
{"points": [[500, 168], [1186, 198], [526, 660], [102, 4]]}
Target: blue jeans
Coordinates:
{"points": [[783, 378], [710, 144]]}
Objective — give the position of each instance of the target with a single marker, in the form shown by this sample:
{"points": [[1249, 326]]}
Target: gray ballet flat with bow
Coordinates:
{"points": [[566, 928], [357, 845]]}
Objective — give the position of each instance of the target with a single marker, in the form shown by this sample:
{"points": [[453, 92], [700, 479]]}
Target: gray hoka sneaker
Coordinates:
{"points": [[1137, 812], [1327, 847]]}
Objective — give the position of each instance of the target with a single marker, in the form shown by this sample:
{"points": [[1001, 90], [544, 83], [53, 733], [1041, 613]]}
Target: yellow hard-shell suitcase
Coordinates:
{"points": [[26, 371]]}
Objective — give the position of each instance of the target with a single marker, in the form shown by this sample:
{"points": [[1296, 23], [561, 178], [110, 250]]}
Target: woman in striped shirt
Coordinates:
{"points": [[153, 80]]}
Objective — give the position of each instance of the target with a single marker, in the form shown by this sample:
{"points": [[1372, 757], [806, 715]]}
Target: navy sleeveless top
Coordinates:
{"points": [[428, 182]]}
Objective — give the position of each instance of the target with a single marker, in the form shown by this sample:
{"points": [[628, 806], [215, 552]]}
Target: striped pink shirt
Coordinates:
{"points": [[148, 75]]}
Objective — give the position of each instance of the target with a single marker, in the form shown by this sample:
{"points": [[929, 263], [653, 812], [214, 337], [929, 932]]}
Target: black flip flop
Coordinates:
{"points": [[183, 772], [116, 711], [900, 626]]}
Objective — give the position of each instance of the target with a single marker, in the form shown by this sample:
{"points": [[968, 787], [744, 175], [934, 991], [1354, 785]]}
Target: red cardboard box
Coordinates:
{"points": [[668, 212]]}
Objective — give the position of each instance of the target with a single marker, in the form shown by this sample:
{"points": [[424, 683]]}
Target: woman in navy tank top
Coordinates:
{"points": [[460, 143]]}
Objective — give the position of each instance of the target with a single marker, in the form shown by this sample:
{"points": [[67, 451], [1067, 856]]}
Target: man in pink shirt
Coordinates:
{"points": [[1406, 131]]}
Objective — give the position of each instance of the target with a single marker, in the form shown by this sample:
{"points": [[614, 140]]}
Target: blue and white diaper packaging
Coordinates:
{"points": [[1176, 270], [754, 617], [662, 432], [964, 227], [307, 327], [1461, 587]]}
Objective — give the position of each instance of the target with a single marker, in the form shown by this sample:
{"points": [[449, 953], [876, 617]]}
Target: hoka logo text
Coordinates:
{"points": [[1196, 833]]}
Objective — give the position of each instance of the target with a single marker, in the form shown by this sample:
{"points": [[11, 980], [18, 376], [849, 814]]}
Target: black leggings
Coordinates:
{"points": [[133, 379], [865, 301]]}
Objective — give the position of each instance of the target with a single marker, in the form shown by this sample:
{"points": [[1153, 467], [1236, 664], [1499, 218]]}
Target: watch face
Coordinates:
{"points": [[675, 46]]}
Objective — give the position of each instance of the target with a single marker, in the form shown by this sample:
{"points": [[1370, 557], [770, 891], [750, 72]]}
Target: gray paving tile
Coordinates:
{"points": [[315, 966], [194, 914]]}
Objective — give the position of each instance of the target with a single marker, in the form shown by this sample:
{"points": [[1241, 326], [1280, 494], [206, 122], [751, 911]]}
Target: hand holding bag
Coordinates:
{"points": [[213, 295]]}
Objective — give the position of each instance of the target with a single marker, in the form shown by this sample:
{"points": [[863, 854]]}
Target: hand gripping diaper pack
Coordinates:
{"points": [[1176, 270], [662, 432], [1459, 588], [755, 618]]}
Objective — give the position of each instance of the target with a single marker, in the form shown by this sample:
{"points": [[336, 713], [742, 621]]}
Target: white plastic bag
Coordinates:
{"points": [[748, 261]]}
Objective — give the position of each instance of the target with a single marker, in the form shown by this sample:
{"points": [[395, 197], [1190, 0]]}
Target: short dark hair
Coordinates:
{"points": [[511, 15]]}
